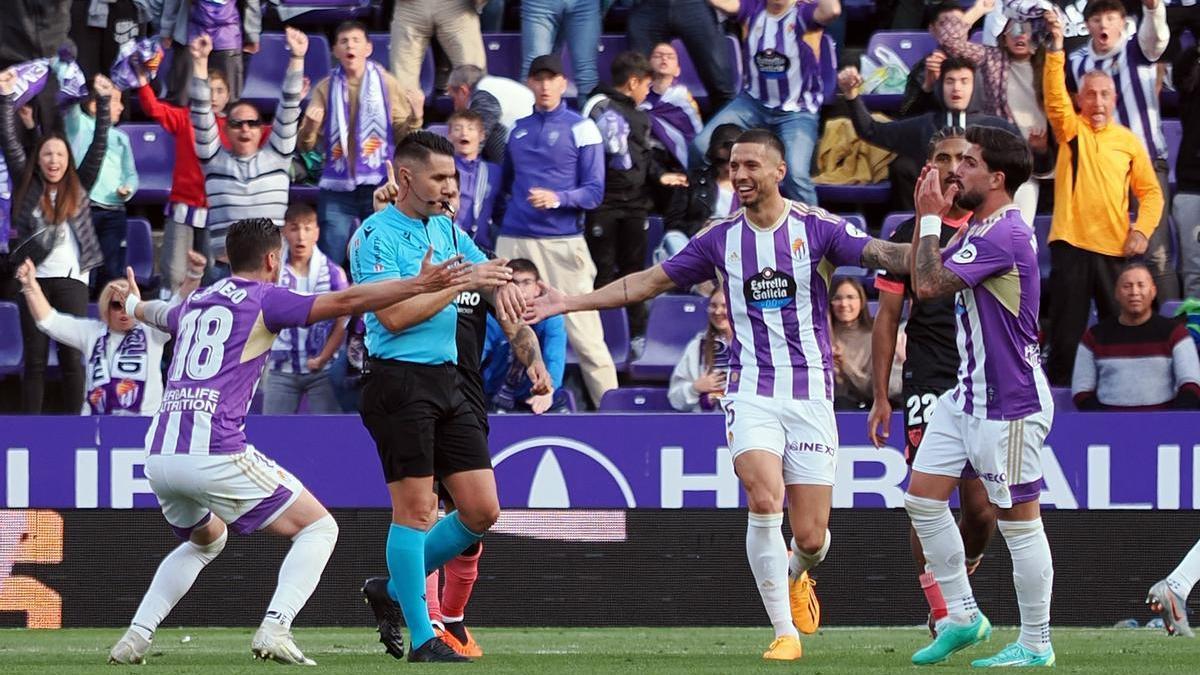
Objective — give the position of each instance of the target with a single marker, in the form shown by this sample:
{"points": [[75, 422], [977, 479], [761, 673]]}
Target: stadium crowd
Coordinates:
{"points": [[591, 140]]}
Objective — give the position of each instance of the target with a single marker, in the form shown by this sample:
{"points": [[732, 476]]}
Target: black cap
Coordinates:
{"points": [[546, 62]]}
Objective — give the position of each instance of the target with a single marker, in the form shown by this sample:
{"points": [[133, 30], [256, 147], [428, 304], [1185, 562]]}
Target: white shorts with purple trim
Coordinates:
{"points": [[247, 491], [1005, 454], [803, 433]]}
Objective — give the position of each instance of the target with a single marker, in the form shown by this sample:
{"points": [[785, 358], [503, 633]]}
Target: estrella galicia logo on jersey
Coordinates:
{"points": [[770, 289], [772, 64], [554, 472], [966, 254]]}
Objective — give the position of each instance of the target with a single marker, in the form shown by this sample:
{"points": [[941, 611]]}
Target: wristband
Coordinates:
{"points": [[131, 302], [929, 226]]}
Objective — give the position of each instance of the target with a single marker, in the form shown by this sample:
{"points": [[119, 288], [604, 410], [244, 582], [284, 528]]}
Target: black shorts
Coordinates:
{"points": [[919, 402], [420, 420], [472, 390]]}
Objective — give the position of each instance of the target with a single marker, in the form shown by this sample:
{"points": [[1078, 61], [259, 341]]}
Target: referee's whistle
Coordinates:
{"points": [[448, 208]]}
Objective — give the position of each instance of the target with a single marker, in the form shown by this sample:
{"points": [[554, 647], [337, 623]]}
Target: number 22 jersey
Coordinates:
{"points": [[223, 335]]}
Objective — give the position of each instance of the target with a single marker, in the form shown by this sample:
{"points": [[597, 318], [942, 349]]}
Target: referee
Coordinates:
{"points": [[412, 402]]}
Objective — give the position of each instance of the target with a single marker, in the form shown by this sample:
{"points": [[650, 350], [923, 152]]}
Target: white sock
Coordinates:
{"points": [[767, 554], [1185, 576], [301, 570], [802, 562], [944, 555], [175, 576], [1033, 576]]}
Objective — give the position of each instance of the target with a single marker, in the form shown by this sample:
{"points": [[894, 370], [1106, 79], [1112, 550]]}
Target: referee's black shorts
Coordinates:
{"points": [[420, 420]]}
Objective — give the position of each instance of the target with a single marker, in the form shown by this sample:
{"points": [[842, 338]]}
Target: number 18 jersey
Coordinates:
{"points": [[223, 335]]}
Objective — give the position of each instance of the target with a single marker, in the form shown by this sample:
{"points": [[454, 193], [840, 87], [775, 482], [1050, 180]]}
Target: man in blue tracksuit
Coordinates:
{"points": [[553, 173]]}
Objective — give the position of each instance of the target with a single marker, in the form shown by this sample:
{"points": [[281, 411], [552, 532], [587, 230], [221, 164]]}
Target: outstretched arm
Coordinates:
{"points": [[627, 290], [375, 296], [886, 255]]}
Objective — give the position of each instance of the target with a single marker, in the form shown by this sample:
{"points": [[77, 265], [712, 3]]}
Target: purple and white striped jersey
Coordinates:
{"points": [[783, 56], [1136, 80], [223, 335], [1000, 363], [777, 283]]}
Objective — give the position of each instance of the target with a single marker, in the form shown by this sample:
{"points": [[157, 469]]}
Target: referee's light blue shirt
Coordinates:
{"points": [[390, 245]]}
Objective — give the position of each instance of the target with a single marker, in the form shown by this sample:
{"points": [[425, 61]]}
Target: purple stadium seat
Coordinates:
{"points": [[616, 336], [1041, 228], [871, 193], [674, 320], [265, 70], [891, 222], [911, 47], [1062, 398], [829, 67], [12, 347], [325, 12], [1169, 307], [154, 156], [299, 192], [1173, 132], [635, 399], [139, 249], [439, 129], [856, 10], [654, 235], [503, 54]]}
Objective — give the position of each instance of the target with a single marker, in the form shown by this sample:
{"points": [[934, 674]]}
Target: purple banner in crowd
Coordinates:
{"points": [[1091, 461]]}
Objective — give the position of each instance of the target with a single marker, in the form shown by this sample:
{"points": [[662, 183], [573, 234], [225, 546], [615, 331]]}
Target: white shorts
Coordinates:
{"points": [[1004, 454], [803, 433], [247, 491]]}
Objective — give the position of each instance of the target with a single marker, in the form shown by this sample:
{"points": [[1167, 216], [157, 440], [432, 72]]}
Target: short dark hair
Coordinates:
{"points": [[763, 137], [217, 74], [1005, 152], [467, 115], [1098, 6], [955, 63], [349, 25], [937, 9], [248, 241], [240, 103], [723, 138], [945, 133], [1135, 265], [299, 210], [629, 64], [524, 265], [420, 145]]}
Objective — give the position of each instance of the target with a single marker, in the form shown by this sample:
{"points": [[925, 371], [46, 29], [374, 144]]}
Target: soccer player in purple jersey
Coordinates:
{"points": [[773, 259], [204, 473], [1001, 410]]}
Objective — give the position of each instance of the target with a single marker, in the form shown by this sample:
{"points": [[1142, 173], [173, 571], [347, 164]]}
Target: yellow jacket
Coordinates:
{"points": [[844, 159], [1094, 174]]}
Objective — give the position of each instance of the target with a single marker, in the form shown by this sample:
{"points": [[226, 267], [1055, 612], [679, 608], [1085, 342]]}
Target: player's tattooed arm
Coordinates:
{"points": [[528, 352], [930, 278], [887, 255]]}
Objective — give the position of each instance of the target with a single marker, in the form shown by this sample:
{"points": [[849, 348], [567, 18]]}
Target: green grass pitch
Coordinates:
{"points": [[591, 650]]}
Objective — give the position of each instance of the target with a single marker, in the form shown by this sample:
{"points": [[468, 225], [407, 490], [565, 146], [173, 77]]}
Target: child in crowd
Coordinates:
{"points": [[300, 357], [116, 183], [478, 180]]}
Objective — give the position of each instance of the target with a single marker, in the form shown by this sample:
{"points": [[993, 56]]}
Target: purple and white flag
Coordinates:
{"points": [[146, 52]]}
